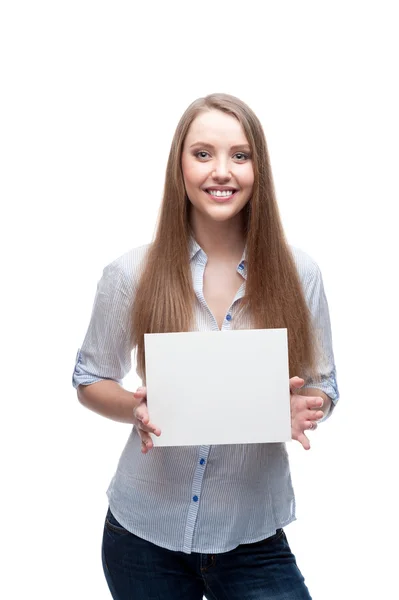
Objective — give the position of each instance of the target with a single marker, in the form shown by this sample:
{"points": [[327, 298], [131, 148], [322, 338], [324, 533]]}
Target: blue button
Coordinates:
{"points": [[195, 498], [228, 317], [241, 266], [202, 461]]}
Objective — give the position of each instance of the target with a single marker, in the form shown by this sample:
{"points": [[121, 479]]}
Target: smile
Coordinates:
{"points": [[221, 193]]}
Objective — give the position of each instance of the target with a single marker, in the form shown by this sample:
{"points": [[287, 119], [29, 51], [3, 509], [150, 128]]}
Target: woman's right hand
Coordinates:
{"points": [[141, 420]]}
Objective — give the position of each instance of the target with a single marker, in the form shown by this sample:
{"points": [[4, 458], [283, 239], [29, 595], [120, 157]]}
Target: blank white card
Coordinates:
{"points": [[218, 387]]}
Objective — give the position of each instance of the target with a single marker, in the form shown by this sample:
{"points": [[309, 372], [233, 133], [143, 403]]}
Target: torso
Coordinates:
{"points": [[221, 283]]}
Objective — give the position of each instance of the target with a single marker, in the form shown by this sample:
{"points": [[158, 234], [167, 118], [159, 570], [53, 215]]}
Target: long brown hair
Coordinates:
{"points": [[164, 300]]}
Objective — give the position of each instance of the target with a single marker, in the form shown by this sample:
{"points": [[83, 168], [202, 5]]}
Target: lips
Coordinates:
{"points": [[219, 196]]}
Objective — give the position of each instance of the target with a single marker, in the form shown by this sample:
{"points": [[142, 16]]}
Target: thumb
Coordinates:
{"points": [[141, 391], [141, 411], [296, 382]]}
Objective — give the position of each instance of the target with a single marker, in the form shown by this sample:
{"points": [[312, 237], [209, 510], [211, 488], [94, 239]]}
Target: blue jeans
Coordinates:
{"points": [[139, 570]]}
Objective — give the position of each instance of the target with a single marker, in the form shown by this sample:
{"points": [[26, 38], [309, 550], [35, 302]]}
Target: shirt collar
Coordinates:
{"points": [[195, 248]]}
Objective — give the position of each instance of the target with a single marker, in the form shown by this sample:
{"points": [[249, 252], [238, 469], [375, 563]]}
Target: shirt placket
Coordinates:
{"points": [[195, 498], [199, 473]]}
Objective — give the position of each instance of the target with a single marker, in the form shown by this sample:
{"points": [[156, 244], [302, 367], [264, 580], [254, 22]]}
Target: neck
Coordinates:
{"points": [[224, 239]]}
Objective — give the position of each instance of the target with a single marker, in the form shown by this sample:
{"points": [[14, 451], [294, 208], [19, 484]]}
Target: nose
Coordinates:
{"points": [[221, 171]]}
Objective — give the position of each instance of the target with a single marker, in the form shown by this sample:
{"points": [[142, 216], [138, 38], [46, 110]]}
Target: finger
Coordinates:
{"points": [[141, 392], [296, 383], [298, 402], [143, 420], [314, 402], [146, 425], [141, 412], [149, 428], [313, 415], [310, 425], [146, 442], [302, 439]]}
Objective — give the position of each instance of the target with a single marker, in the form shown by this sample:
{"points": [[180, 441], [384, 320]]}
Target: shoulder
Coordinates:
{"points": [[128, 266], [307, 267]]}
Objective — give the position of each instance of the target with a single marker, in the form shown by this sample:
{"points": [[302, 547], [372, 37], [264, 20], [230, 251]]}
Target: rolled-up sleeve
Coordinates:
{"points": [[317, 302], [106, 349]]}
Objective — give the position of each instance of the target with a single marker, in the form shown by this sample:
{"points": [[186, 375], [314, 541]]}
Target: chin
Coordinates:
{"points": [[222, 214], [217, 213]]}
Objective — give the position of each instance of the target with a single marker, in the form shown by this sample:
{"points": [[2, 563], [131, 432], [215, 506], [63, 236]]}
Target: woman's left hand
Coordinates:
{"points": [[305, 411]]}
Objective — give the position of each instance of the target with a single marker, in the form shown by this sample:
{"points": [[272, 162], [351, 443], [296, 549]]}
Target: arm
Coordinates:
{"points": [[105, 356], [313, 400], [326, 387], [108, 399]]}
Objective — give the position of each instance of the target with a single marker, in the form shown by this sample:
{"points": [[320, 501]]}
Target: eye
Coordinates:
{"points": [[241, 156], [202, 154]]}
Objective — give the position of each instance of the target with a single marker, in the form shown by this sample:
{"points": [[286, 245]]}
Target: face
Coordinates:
{"points": [[217, 166]]}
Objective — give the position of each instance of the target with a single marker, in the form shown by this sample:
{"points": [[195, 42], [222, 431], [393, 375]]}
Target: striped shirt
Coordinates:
{"points": [[206, 499]]}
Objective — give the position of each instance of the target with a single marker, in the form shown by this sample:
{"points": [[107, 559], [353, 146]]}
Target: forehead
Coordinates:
{"points": [[216, 126]]}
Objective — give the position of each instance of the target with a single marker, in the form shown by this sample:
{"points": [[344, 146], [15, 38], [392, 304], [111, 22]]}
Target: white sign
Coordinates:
{"points": [[218, 387]]}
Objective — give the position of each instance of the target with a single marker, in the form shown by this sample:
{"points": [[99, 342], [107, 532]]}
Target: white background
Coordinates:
{"points": [[91, 95]]}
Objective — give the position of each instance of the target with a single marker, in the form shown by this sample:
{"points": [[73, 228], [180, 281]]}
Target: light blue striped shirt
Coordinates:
{"points": [[206, 499]]}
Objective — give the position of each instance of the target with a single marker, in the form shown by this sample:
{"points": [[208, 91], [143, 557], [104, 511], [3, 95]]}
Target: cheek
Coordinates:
{"points": [[248, 178], [193, 173]]}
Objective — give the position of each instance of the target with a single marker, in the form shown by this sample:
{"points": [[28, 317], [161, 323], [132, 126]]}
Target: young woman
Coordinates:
{"points": [[184, 522]]}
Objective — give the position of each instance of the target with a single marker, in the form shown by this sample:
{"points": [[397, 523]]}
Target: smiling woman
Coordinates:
{"points": [[184, 522]]}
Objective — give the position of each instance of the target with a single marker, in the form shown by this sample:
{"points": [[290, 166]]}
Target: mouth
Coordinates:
{"points": [[221, 195]]}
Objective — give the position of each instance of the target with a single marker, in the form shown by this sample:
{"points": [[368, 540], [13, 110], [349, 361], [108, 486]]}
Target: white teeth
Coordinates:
{"points": [[221, 193]]}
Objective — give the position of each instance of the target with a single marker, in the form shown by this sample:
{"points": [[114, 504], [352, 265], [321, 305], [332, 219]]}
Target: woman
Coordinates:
{"points": [[190, 521]]}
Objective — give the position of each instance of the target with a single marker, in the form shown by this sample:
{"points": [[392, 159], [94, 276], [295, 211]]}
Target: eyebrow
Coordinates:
{"points": [[205, 145]]}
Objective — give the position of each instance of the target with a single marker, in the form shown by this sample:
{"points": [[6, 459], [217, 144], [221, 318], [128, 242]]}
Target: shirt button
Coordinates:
{"points": [[195, 498], [228, 317], [202, 461], [241, 266]]}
